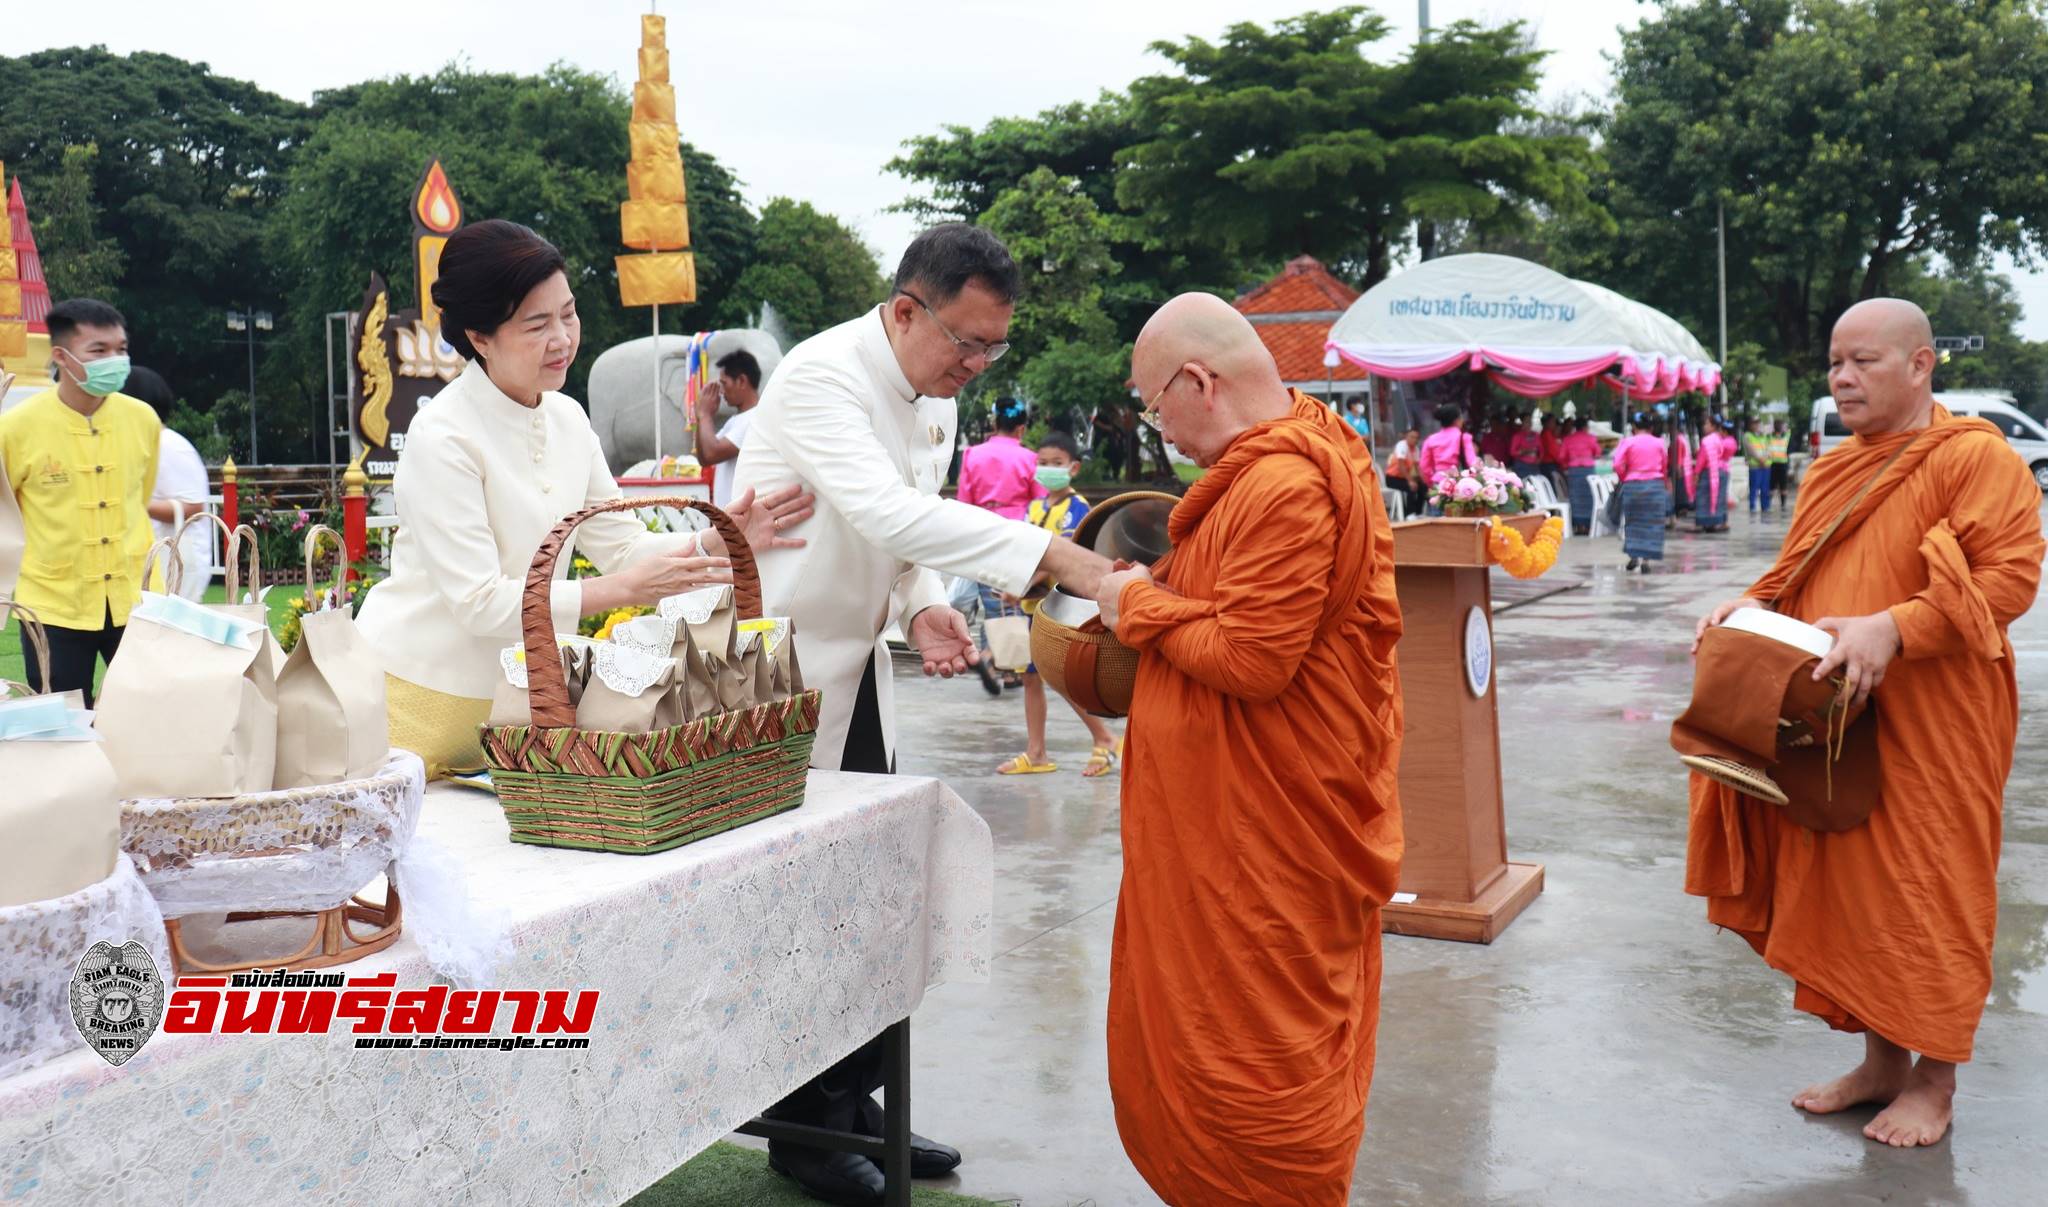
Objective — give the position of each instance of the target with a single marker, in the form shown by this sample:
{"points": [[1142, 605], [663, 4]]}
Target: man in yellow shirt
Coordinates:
{"points": [[81, 460]]}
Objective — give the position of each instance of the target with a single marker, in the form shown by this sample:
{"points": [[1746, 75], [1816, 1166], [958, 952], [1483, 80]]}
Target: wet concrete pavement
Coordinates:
{"points": [[1611, 1047]]}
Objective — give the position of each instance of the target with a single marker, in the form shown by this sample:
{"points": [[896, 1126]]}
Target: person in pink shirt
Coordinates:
{"points": [[1448, 450], [1710, 482], [1678, 466], [1000, 474], [1640, 463], [1578, 452]]}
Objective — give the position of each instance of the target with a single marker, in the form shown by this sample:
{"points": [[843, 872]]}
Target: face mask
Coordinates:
{"points": [[1053, 478], [103, 376]]}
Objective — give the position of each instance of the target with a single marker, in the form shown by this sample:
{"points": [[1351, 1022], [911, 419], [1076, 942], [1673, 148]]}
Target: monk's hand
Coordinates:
{"points": [[1109, 597], [766, 518], [1864, 646], [942, 640], [1720, 614]]}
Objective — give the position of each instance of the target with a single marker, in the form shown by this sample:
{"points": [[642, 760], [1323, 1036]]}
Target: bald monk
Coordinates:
{"points": [[1261, 830], [1886, 927]]}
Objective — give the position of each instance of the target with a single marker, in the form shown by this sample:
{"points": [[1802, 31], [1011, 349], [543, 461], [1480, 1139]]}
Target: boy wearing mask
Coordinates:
{"points": [[81, 459], [1059, 512]]}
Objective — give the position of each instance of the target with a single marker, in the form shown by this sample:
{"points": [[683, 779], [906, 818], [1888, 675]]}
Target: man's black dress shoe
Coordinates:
{"points": [[834, 1177], [928, 1158]]}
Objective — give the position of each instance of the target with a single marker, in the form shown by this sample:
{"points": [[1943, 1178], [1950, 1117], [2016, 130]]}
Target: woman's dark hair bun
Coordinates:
{"points": [[487, 268]]}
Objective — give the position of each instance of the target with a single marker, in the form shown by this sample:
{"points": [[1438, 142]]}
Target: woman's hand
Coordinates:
{"points": [[763, 520], [664, 574]]}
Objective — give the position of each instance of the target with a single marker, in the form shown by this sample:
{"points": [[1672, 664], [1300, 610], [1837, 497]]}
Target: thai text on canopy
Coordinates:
{"points": [[1527, 328]]}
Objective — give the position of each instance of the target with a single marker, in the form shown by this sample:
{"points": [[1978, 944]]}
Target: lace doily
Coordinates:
{"points": [[629, 670], [40, 944]]}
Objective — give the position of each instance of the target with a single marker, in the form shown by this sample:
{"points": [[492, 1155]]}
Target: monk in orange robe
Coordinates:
{"points": [[1886, 927], [1261, 827]]}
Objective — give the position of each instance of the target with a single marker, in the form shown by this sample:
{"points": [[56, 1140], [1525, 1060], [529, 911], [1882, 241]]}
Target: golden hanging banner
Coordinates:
{"points": [[661, 279], [655, 217]]}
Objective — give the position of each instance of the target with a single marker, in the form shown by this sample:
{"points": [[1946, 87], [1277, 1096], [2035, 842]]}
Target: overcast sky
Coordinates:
{"points": [[803, 98]]}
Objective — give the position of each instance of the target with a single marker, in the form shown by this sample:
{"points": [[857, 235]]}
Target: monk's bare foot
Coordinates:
{"points": [[1875, 1080], [1921, 1112]]}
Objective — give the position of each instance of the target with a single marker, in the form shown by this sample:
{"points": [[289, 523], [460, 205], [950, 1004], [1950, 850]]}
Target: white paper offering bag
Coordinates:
{"points": [[60, 816], [331, 719], [189, 705]]}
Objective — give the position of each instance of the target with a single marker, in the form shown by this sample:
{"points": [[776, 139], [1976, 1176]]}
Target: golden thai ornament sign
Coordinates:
{"points": [[400, 361]]}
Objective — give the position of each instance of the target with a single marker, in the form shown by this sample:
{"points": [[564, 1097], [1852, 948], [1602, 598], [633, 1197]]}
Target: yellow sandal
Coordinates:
{"points": [[1101, 761], [1022, 765]]}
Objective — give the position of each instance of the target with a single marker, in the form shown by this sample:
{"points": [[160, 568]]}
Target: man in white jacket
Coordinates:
{"points": [[863, 414]]}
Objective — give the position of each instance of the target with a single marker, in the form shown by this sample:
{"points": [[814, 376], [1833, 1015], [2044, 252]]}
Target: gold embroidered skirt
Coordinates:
{"points": [[440, 728]]}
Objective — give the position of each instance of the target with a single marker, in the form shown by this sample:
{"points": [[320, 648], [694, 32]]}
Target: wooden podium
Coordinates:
{"points": [[1456, 860]]}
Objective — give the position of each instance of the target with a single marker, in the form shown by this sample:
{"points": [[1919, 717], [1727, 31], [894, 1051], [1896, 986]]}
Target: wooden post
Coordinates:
{"points": [[1456, 860], [355, 512]]}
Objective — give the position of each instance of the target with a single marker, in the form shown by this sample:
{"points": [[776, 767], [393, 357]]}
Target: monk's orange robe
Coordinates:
{"points": [[1888, 926], [1261, 827]]}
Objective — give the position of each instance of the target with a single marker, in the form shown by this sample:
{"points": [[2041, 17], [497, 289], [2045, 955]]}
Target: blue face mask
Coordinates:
{"points": [[103, 376], [1054, 478]]}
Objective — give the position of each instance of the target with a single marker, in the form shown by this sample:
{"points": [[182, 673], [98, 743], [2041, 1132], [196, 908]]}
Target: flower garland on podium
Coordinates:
{"points": [[1525, 559]]}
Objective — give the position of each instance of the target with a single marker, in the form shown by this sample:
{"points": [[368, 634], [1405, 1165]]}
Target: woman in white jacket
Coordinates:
{"points": [[493, 462]]}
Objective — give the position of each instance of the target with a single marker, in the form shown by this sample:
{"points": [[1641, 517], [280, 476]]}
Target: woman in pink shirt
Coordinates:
{"points": [[1639, 462], [1710, 488], [1447, 450], [1578, 452], [1000, 474]]}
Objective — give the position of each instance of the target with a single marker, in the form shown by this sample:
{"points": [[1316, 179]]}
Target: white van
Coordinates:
{"points": [[2025, 433]]}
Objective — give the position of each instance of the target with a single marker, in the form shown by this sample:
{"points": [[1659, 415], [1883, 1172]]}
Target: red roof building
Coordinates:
{"points": [[1293, 314]]}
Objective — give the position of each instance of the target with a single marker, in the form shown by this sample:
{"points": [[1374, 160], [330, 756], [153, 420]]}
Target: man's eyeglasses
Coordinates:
{"points": [[970, 349], [1150, 415]]}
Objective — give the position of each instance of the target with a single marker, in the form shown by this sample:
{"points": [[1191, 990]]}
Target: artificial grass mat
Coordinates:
{"points": [[728, 1175]]}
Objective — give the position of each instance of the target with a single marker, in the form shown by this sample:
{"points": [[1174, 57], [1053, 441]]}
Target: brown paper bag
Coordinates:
{"points": [[707, 614], [60, 817], [1009, 641], [232, 544], [510, 702], [189, 707], [331, 719], [780, 677], [630, 691]]}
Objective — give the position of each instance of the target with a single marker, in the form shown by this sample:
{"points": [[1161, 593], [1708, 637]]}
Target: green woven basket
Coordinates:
{"points": [[637, 793]]}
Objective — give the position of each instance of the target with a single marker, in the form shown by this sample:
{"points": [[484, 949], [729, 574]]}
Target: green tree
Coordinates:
{"points": [[548, 151], [813, 269], [1977, 301], [189, 165], [1282, 141], [1061, 243], [79, 261], [966, 170], [1844, 138]]}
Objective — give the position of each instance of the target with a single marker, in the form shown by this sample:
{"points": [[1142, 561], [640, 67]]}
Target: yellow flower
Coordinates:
{"points": [[1528, 559]]}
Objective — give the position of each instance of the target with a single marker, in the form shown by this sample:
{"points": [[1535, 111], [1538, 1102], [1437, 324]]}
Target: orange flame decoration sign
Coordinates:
{"points": [[435, 206]]}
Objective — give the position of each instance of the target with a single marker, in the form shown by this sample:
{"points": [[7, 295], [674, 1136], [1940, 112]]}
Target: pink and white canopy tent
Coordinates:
{"points": [[1530, 330]]}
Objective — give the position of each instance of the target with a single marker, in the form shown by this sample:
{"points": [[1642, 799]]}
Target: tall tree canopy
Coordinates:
{"points": [[811, 267], [1846, 139], [187, 167], [1275, 142]]}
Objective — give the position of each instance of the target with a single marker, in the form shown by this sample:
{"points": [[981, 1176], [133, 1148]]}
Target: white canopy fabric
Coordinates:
{"points": [[1532, 330]]}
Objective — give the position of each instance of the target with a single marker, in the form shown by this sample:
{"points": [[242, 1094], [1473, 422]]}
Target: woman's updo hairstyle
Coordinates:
{"points": [[487, 269]]}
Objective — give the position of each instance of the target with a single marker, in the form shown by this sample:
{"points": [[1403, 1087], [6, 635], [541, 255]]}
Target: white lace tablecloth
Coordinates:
{"points": [[732, 971]]}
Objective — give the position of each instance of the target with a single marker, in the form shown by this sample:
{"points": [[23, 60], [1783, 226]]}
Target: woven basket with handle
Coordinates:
{"points": [[637, 793]]}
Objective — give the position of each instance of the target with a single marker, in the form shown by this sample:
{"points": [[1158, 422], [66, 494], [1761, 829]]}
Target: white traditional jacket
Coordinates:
{"points": [[839, 416]]}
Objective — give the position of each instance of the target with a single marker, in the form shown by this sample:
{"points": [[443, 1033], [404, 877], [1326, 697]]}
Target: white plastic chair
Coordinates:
{"points": [[1397, 503], [1546, 500], [1604, 486]]}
